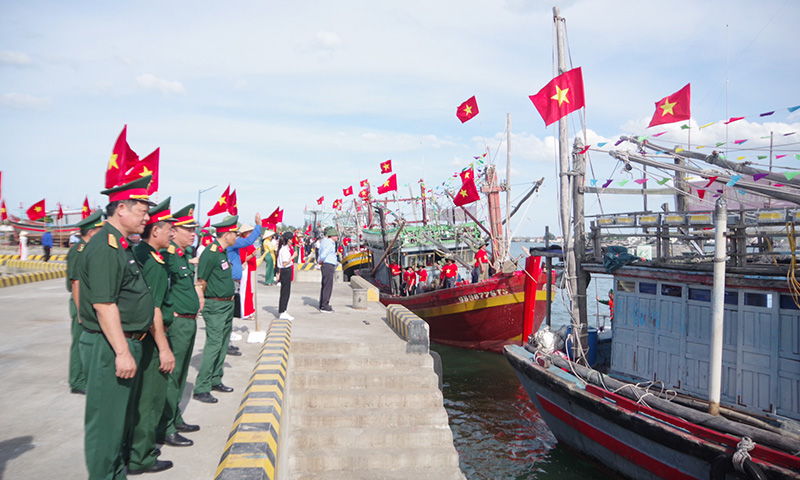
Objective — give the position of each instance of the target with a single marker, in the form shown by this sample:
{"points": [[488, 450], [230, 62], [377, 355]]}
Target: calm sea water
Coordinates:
{"points": [[496, 429]]}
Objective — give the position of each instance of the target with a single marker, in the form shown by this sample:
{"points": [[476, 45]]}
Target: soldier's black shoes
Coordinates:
{"points": [[159, 466], [205, 397], [187, 428], [234, 351], [79, 391], [177, 440], [222, 388]]}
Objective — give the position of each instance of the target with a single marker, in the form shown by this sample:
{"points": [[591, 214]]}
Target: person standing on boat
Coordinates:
{"points": [[327, 261], [450, 272], [396, 279], [481, 270], [285, 260], [610, 303], [411, 281], [47, 244], [422, 279]]}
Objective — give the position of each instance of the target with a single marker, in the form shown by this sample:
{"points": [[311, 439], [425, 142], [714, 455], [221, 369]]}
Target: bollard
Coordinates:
{"points": [[360, 298]]}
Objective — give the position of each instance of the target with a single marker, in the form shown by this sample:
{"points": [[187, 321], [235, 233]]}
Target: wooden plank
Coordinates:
{"points": [[630, 191]]}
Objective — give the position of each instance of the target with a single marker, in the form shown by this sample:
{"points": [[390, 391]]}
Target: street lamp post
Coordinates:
{"points": [[199, 211]]}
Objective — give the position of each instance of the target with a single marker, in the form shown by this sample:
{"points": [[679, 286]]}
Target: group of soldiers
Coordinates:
{"points": [[134, 311]]}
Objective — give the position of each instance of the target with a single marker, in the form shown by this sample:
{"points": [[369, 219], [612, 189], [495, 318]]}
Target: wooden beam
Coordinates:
{"points": [[630, 191]]}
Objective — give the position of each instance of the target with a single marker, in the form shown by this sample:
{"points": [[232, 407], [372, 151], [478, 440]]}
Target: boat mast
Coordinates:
{"points": [[492, 191], [508, 184], [572, 257]]}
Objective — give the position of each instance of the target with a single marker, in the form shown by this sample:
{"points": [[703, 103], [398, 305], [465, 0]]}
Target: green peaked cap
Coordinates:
{"points": [[135, 190], [94, 220], [185, 217]]}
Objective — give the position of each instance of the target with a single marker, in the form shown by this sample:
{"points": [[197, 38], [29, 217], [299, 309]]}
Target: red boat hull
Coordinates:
{"points": [[485, 315]]}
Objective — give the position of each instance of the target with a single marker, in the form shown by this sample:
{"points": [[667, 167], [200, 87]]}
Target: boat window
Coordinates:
{"points": [[649, 288], [700, 294], [671, 290], [788, 303], [731, 298], [625, 286], [758, 299]]}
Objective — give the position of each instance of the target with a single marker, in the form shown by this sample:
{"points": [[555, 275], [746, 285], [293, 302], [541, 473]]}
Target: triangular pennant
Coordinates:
{"points": [[733, 180], [623, 182], [685, 127], [734, 119], [738, 159], [762, 157], [640, 181], [664, 180], [792, 109], [602, 144], [701, 193], [779, 156], [710, 181], [679, 150], [719, 144], [608, 182], [759, 176], [708, 125], [658, 134], [767, 114], [739, 142], [584, 150], [593, 182]]}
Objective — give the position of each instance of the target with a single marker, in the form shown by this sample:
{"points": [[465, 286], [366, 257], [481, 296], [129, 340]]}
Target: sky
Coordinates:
{"points": [[287, 102]]}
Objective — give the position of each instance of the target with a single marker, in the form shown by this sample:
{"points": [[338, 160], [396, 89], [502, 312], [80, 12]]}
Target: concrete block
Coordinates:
{"points": [[360, 282], [409, 326]]}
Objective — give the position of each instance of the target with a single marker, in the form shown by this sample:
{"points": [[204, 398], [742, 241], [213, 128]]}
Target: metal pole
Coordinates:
{"points": [[508, 185], [199, 211], [549, 264], [717, 305]]}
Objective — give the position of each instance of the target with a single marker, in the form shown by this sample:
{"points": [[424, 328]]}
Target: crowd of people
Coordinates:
{"points": [[138, 282]]}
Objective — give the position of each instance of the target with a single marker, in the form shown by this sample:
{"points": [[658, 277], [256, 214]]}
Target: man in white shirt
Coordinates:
{"points": [[328, 261]]}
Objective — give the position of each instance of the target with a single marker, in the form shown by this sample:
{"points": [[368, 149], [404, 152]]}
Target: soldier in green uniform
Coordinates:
{"points": [[182, 323], [116, 310], [215, 289], [77, 371], [157, 359]]}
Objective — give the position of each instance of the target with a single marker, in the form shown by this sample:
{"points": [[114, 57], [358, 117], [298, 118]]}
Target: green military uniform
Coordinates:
{"points": [[181, 334], [77, 370], [109, 273], [218, 310], [153, 383]]}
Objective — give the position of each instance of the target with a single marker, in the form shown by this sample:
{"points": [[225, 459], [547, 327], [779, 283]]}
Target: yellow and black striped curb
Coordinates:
{"points": [[22, 278], [360, 283], [409, 326], [53, 258], [312, 266], [252, 449], [32, 264]]}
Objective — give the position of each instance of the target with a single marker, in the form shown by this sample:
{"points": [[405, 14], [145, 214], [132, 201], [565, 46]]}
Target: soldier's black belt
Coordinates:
{"points": [[221, 299], [182, 315], [138, 336]]}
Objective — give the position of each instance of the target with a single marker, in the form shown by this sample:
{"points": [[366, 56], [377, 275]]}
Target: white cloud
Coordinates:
{"points": [[21, 101], [327, 40], [15, 58], [151, 82]]}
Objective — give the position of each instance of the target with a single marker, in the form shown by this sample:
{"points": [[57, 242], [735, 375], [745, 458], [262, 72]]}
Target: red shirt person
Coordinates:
{"points": [[395, 270]]}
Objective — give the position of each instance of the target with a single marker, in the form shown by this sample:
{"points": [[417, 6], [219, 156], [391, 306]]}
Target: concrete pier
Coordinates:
{"points": [[354, 403]]}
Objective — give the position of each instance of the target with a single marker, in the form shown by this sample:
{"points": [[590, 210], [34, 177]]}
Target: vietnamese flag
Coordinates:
{"points": [[37, 210], [389, 185], [673, 108], [233, 205], [85, 210], [337, 203], [386, 167], [467, 110], [146, 166], [364, 182], [308, 230], [364, 193], [222, 204], [208, 223], [468, 192], [275, 218], [347, 191], [562, 96], [3, 211], [60, 213], [122, 158], [320, 200]]}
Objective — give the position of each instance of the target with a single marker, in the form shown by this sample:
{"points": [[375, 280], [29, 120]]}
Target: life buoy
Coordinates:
{"points": [[723, 465]]}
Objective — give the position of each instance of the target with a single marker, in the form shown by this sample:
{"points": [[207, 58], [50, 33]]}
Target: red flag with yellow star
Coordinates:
{"points": [[364, 193], [467, 110], [389, 185], [337, 203], [320, 200], [364, 182], [37, 210], [222, 204], [233, 205], [146, 166], [60, 213], [468, 193], [562, 96], [347, 191], [386, 167], [3, 211], [673, 108], [122, 158], [274, 219], [85, 210]]}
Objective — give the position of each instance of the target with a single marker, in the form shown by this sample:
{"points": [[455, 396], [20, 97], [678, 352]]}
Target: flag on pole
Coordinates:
{"points": [[207, 224], [233, 205], [60, 213], [37, 210], [562, 96], [320, 200], [144, 167], [364, 193], [468, 193], [122, 158], [222, 204], [308, 230], [389, 185], [3, 211], [364, 182], [347, 191], [337, 203], [467, 110], [85, 210], [386, 167], [274, 219], [673, 108]]}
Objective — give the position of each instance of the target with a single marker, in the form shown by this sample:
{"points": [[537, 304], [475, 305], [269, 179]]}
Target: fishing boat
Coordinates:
{"points": [[34, 231], [704, 373]]}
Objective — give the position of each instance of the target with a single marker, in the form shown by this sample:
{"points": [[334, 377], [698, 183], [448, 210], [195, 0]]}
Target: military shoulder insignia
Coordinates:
{"points": [[171, 250], [81, 247], [214, 247], [112, 240], [157, 256]]}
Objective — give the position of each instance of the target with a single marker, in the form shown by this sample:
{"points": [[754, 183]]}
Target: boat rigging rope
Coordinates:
{"points": [[791, 279], [741, 454]]}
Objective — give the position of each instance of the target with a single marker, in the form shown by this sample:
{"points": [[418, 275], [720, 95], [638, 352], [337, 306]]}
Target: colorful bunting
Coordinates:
{"points": [[623, 182], [733, 119], [601, 144], [593, 182], [779, 156], [767, 114], [706, 125], [584, 150], [640, 181], [739, 142], [664, 180], [701, 193], [733, 180], [659, 134], [608, 182], [759, 176]]}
